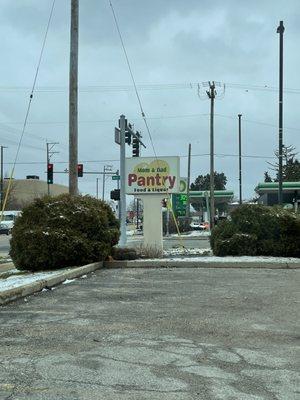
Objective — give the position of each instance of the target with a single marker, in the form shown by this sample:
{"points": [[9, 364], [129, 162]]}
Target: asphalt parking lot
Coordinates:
{"points": [[169, 334]]}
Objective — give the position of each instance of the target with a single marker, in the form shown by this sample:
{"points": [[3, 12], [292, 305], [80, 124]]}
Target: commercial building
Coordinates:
{"points": [[268, 193], [24, 191]]}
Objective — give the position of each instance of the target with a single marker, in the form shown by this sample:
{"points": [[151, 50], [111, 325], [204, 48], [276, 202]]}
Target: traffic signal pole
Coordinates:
{"points": [[123, 136], [122, 203], [103, 183], [50, 153], [118, 187], [188, 182], [2, 178], [48, 160]]}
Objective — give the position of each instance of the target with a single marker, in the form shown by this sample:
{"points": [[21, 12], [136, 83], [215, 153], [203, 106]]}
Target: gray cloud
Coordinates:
{"points": [[168, 42]]}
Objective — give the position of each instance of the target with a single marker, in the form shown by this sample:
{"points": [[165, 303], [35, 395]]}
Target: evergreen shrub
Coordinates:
{"points": [[63, 231], [258, 230]]}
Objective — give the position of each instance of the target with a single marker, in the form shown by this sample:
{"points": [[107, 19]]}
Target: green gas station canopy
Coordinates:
{"points": [[273, 187]]}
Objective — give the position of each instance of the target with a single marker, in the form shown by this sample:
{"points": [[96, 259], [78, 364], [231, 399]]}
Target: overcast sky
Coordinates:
{"points": [[172, 45]]}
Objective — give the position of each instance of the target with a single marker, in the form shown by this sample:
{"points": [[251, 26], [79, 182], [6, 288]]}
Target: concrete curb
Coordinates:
{"points": [[12, 294], [183, 237], [198, 264], [9, 295]]}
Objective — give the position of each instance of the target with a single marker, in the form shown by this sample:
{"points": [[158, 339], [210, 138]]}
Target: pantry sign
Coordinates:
{"points": [[152, 175]]}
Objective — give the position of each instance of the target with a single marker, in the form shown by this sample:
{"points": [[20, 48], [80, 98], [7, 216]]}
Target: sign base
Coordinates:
{"points": [[152, 222]]}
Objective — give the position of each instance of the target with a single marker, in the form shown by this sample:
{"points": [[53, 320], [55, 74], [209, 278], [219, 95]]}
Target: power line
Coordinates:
{"points": [[132, 78], [221, 155], [28, 107], [111, 120], [159, 117], [145, 87], [34, 81]]}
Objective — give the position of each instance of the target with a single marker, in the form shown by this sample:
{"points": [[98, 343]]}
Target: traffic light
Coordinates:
{"points": [[50, 174], [135, 147], [115, 194], [128, 137], [80, 170]]}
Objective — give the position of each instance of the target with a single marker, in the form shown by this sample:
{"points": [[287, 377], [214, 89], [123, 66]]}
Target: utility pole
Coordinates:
{"points": [[50, 153], [2, 178], [240, 158], [188, 183], [118, 187], [211, 93], [137, 213], [103, 184], [280, 30], [168, 218], [122, 203], [73, 101], [137, 199], [106, 168], [97, 188]]}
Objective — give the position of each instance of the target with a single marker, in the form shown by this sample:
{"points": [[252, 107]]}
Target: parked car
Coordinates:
{"points": [[199, 226], [8, 221]]}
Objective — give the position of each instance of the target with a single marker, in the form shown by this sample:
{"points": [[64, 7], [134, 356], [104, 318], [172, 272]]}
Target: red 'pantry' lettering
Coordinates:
{"points": [[156, 180]]}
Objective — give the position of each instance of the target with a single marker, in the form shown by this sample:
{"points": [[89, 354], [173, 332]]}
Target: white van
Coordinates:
{"points": [[8, 221]]}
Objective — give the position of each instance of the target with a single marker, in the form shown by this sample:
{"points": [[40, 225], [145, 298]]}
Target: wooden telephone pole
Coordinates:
{"points": [[73, 101], [211, 93], [280, 30]]}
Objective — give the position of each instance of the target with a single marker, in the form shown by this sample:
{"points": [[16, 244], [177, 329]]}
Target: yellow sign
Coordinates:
{"points": [[152, 175]]}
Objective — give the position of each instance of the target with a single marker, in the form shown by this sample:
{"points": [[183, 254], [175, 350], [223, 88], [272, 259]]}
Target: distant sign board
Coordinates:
{"points": [[115, 177], [152, 175], [117, 136], [179, 203]]}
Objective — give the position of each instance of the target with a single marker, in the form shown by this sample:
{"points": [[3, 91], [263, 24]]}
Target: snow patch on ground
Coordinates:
{"points": [[25, 279], [187, 252], [192, 234], [68, 281]]}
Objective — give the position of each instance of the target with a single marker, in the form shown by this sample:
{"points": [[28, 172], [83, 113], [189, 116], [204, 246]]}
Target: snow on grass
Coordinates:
{"points": [[24, 279], [187, 252], [192, 234], [16, 279]]}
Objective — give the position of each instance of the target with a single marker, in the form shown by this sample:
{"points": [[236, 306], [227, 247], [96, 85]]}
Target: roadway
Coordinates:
{"points": [[190, 242], [4, 244], [194, 242]]}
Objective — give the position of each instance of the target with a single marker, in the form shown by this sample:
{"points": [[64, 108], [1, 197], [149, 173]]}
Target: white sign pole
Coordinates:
{"points": [[152, 221]]}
